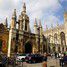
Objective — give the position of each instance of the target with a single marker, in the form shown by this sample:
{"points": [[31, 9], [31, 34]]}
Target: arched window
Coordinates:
{"points": [[49, 38], [26, 26], [13, 44], [55, 38], [55, 35], [62, 36]]}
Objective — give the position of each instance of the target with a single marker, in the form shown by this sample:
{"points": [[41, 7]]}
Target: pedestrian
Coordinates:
{"points": [[55, 55], [4, 61], [0, 60]]}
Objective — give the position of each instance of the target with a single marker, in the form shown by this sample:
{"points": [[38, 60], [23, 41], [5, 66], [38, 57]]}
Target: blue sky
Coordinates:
{"points": [[48, 11]]}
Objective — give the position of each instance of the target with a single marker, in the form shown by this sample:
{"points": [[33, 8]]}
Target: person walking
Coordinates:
{"points": [[55, 55]]}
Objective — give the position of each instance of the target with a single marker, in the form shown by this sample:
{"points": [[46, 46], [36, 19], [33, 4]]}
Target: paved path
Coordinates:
{"points": [[52, 62]]}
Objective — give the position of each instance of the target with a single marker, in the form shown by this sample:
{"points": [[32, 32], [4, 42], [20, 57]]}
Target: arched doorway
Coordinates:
{"points": [[28, 47], [59, 49], [44, 50], [63, 41], [0, 45]]}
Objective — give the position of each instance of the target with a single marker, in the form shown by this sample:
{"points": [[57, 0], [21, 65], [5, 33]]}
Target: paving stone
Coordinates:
{"points": [[35, 65], [53, 63]]}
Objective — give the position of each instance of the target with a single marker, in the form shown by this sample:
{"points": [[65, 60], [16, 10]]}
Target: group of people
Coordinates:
{"points": [[6, 62], [57, 55], [3, 60]]}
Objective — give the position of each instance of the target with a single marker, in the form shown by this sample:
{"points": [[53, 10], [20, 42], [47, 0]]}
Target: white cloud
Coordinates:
{"points": [[43, 5], [40, 9], [43, 9], [34, 6]]}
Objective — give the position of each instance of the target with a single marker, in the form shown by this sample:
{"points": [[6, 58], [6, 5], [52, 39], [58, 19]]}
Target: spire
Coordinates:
{"points": [[35, 27], [52, 26], [13, 20], [35, 23], [65, 17], [5, 23], [40, 28], [57, 24], [40, 23], [65, 14], [24, 8], [14, 14], [46, 27]]}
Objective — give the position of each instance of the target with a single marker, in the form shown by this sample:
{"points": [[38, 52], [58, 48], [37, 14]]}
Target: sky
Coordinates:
{"points": [[48, 11]]}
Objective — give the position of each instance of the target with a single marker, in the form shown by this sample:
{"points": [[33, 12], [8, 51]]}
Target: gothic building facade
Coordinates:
{"points": [[57, 37], [19, 38]]}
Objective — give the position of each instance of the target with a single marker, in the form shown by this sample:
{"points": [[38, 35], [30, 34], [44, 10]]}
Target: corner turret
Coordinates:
{"points": [[65, 25], [35, 27], [40, 28], [65, 17], [20, 23], [13, 20]]}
